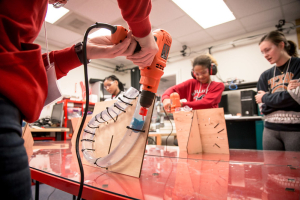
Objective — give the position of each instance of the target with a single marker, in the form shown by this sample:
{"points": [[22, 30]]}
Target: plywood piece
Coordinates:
{"points": [[74, 122], [183, 122], [28, 141], [194, 145], [131, 164], [108, 136], [73, 140], [27, 136], [213, 130]]}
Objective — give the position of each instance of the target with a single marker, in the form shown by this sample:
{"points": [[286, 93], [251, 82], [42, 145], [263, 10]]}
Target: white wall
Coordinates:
{"points": [[67, 83]]}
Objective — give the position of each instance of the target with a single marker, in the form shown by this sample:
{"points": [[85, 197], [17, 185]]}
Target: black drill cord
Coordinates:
{"points": [[97, 25], [171, 126]]}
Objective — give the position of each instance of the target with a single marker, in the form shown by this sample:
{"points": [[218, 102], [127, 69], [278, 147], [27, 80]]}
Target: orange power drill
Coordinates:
{"points": [[175, 101], [150, 76]]}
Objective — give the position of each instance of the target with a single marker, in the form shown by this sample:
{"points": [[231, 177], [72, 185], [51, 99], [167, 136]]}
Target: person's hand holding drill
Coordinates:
{"points": [[102, 47], [145, 56]]}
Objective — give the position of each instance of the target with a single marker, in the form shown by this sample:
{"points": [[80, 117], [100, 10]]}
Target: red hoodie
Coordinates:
{"points": [[23, 77], [196, 95]]}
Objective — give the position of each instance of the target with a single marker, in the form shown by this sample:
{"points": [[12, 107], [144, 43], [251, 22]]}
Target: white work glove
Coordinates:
{"points": [[102, 47], [149, 48]]}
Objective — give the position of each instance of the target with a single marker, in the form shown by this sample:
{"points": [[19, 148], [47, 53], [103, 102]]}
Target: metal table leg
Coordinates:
{"points": [[37, 190]]}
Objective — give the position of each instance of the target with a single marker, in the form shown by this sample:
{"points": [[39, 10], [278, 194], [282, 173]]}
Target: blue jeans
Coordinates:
{"points": [[15, 180]]}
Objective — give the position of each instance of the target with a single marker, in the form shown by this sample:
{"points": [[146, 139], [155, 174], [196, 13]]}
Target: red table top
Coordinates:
{"points": [[170, 174]]}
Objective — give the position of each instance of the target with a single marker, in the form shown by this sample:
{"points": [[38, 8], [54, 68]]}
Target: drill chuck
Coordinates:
{"points": [[147, 98]]}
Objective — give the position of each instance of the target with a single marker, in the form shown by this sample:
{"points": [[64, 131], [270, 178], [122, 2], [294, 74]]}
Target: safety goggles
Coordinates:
{"points": [[108, 85]]}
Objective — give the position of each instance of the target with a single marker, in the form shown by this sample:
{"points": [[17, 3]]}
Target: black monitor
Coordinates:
{"points": [[224, 103], [57, 115]]}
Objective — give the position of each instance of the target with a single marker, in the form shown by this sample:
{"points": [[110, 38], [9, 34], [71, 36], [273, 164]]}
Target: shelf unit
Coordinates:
{"points": [[67, 103]]}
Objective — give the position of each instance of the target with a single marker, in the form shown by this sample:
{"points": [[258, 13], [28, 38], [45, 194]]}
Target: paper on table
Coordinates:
{"points": [[53, 89]]}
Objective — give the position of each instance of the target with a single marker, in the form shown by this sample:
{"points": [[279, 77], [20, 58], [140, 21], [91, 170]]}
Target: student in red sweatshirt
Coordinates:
{"points": [[23, 80], [200, 92]]}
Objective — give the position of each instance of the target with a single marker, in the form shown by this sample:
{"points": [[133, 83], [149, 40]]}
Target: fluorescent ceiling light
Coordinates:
{"points": [[206, 13], [54, 14], [100, 32]]}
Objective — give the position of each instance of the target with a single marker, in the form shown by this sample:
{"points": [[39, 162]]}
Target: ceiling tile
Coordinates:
{"points": [[181, 26], [243, 8], [59, 34], [262, 20], [74, 4], [194, 39], [291, 11], [118, 61], [99, 11], [283, 2], [164, 11], [228, 28], [75, 23], [229, 34], [175, 46], [41, 41]]}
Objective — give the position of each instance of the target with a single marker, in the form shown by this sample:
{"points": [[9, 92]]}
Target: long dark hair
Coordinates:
{"points": [[114, 78], [276, 37]]}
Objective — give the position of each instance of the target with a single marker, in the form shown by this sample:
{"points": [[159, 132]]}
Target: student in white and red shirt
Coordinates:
{"points": [[200, 92]]}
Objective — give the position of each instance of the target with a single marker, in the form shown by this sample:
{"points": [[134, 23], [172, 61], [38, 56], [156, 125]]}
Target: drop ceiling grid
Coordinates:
{"points": [[262, 19], [283, 2], [292, 11], [59, 34], [243, 8], [251, 16], [228, 28], [164, 11], [194, 39], [99, 11], [181, 26]]}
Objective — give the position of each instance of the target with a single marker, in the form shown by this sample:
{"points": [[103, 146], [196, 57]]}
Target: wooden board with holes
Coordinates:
{"points": [[183, 122], [108, 137], [194, 145], [131, 164], [28, 141], [73, 140], [213, 132]]}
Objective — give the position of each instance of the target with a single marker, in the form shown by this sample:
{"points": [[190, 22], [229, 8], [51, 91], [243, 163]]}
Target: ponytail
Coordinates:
{"points": [[291, 48]]}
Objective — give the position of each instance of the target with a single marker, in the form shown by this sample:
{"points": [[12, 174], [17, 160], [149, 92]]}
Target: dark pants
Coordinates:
{"points": [[15, 180], [281, 140]]}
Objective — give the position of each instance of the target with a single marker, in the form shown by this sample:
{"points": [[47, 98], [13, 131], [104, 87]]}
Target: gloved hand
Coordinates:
{"points": [[149, 48], [102, 47]]}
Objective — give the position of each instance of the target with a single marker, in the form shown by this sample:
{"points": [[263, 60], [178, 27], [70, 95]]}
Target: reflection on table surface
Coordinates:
{"points": [[170, 174]]}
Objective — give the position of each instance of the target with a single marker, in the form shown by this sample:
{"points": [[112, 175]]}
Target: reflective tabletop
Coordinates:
{"points": [[170, 174]]}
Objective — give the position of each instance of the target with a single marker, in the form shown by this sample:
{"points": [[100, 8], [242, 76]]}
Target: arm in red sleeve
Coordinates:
{"points": [[183, 89], [212, 98], [64, 60], [136, 13]]}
